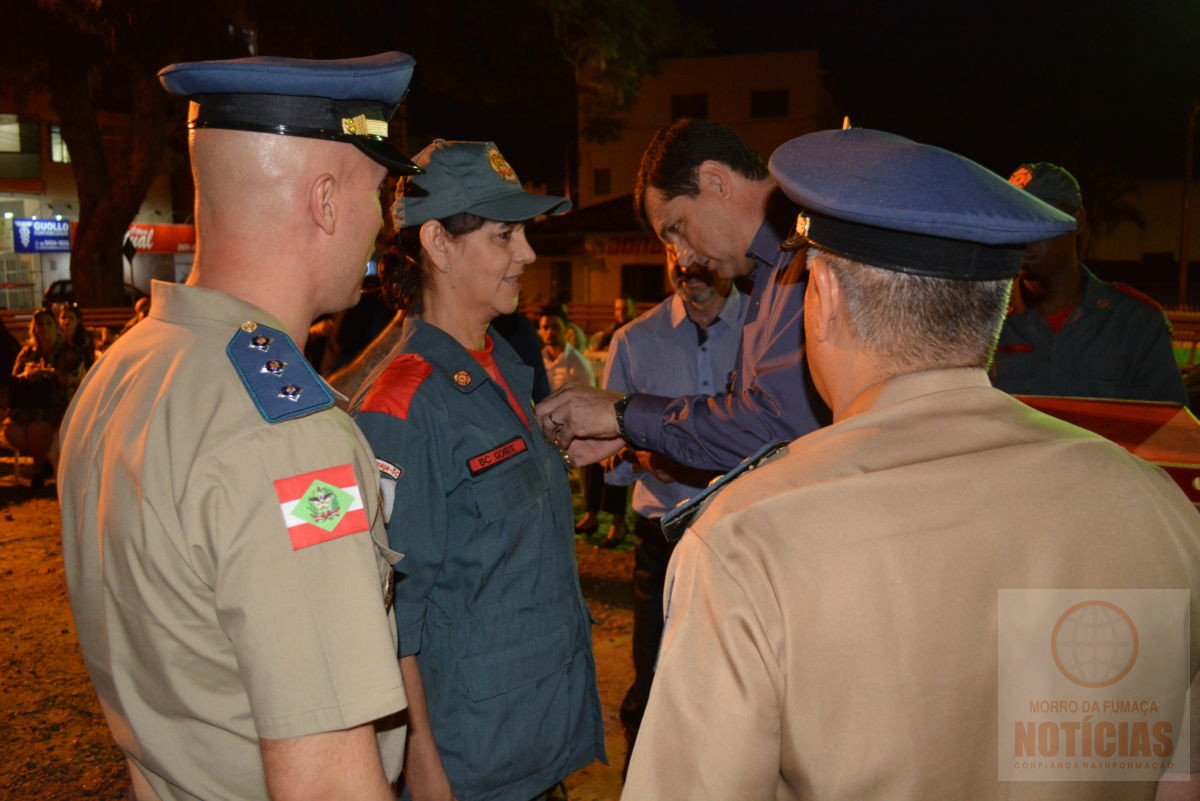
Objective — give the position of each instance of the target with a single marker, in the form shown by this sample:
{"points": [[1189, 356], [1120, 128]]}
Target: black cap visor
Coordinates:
{"points": [[309, 117], [917, 254]]}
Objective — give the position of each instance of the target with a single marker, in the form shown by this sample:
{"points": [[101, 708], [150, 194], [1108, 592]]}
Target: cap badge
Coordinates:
{"points": [[462, 378], [361, 126], [290, 392], [802, 223], [1021, 177], [501, 166], [274, 367]]}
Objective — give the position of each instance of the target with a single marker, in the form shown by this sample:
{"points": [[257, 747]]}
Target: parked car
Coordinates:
{"points": [[64, 292]]}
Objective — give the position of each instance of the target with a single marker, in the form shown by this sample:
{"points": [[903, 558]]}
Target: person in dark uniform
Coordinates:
{"points": [[494, 633], [1069, 333]]}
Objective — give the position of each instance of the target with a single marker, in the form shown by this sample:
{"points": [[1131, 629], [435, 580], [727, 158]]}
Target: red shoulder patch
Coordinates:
{"points": [[393, 392], [1133, 293]]}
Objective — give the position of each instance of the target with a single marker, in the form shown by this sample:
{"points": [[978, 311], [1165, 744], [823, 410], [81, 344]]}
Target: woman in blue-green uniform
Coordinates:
{"points": [[494, 634]]}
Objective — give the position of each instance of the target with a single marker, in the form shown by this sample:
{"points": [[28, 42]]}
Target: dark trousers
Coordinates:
{"points": [[599, 496], [650, 558]]}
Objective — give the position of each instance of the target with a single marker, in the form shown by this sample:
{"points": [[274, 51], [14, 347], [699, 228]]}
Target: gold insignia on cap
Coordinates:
{"points": [[462, 378], [502, 167], [1021, 177], [361, 126], [249, 326], [802, 223]]}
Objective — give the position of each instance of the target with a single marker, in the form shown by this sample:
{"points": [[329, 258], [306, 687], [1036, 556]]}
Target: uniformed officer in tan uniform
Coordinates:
{"points": [[831, 617], [224, 549]]}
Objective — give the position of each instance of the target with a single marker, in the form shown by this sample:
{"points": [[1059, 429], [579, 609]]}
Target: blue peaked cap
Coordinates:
{"points": [[347, 100], [890, 202]]}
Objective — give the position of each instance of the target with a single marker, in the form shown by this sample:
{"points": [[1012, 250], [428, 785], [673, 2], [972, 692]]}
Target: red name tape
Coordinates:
{"points": [[486, 461]]}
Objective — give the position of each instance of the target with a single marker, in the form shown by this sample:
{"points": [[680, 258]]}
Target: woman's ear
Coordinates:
{"points": [[436, 242]]}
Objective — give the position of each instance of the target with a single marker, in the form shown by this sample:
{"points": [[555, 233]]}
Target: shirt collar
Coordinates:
{"points": [[454, 362], [730, 311], [913, 385], [178, 302]]}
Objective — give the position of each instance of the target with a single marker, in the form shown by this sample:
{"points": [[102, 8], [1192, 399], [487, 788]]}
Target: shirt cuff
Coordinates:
{"points": [[643, 421]]}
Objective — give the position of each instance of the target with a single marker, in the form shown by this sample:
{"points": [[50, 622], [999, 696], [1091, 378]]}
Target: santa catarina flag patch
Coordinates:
{"points": [[321, 506]]}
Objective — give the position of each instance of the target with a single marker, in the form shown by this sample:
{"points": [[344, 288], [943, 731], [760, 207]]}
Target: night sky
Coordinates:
{"points": [[1090, 85], [1080, 83]]}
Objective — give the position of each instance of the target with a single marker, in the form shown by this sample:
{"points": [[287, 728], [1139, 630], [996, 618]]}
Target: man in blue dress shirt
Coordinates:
{"points": [[685, 345], [708, 195]]}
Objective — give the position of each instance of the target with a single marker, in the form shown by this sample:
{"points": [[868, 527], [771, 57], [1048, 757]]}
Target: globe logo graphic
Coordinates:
{"points": [[1094, 644]]}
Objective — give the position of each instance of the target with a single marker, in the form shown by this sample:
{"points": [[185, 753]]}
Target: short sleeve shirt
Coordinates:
{"points": [[208, 615]]}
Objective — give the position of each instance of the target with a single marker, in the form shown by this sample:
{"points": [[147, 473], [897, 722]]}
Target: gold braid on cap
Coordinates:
{"points": [[361, 126]]}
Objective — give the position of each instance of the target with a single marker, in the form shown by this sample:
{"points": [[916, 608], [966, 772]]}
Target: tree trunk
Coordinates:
{"points": [[111, 183]]}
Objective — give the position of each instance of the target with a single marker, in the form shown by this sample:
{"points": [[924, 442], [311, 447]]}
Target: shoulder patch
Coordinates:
{"points": [[321, 506], [281, 382], [1133, 293], [393, 391]]}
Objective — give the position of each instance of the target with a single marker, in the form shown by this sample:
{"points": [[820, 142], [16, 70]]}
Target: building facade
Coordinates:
{"points": [[39, 204]]}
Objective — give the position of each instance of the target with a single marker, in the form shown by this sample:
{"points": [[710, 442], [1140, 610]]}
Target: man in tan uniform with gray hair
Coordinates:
{"points": [[224, 550], [870, 613]]}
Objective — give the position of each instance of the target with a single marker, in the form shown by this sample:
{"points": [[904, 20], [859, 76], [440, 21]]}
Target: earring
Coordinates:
{"points": [[445, 269]]}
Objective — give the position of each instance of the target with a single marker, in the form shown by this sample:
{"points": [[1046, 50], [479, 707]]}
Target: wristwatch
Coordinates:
{"points": [[619, 407]]}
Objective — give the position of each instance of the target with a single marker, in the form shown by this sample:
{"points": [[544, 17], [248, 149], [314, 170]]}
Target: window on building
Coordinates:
{"points": [[16, 136], [645, 283], [20, 154], [773, 103], [58, 148], [602, 181], [689, 106]]}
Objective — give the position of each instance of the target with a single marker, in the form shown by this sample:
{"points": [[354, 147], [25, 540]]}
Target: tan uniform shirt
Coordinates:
{"points": [[203, 628], [831, 617]]}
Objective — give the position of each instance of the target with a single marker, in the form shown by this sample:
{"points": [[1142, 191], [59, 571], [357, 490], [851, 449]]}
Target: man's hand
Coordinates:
{"points": [[586, 450], [580, 412]]}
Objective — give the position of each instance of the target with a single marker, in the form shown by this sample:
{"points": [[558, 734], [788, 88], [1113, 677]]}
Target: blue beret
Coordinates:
{"points": [[349, 100], [890, 202]]}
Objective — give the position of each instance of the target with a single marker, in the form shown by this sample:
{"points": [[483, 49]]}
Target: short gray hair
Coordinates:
{"points": [[917, 322]]}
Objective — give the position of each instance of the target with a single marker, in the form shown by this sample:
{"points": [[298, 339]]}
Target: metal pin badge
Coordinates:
{"points": [[290, 392]]}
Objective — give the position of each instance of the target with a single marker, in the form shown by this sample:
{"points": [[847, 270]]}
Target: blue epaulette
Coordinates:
{"points": [[675, 522], [280, 380]]}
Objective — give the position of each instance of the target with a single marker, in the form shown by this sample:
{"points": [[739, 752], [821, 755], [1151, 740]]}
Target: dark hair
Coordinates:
{"points": [[403, 263], [554, 310], [670, 161]]}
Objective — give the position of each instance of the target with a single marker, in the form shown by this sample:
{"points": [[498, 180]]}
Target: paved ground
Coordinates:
{"points": [[56, 744]]}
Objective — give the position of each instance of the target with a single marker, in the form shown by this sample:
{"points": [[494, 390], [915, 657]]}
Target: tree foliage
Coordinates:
{"points": [[524, 60]]}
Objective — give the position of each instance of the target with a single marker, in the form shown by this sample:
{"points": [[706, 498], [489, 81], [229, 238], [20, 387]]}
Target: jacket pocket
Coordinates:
{"points": [[520, 712]]}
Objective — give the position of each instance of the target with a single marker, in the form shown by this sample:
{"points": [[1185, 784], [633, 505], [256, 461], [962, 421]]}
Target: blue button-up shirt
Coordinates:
{"points": [[661, 353], [770, 396]]}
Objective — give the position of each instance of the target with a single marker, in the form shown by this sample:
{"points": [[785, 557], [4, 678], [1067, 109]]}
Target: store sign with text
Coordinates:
{"points": [[41, 236]]}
